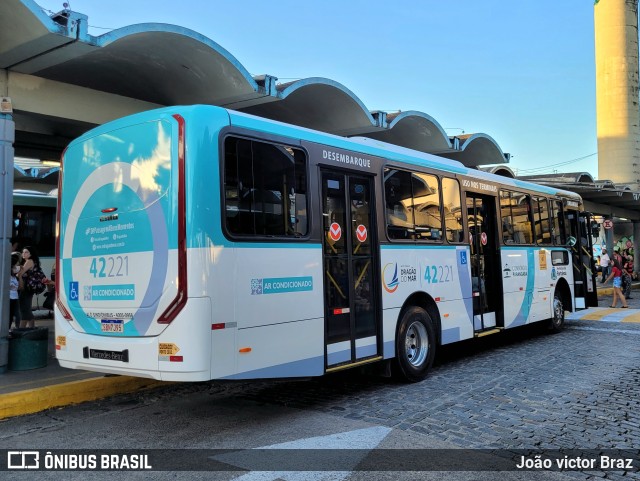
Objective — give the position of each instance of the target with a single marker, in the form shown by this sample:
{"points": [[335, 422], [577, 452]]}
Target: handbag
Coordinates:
{"points": [[34, 281]]}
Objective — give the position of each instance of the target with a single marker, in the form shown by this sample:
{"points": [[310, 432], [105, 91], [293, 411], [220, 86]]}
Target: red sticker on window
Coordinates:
{"points": [[335, 232], [361, 233]]}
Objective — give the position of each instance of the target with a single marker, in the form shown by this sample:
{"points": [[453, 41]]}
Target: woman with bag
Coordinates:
{"points": [[32, 277], [616, 275]]}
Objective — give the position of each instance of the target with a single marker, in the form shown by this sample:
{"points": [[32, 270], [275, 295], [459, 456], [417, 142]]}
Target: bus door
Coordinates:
{"points": [[350, 266], [485, 264], [584, 274]]}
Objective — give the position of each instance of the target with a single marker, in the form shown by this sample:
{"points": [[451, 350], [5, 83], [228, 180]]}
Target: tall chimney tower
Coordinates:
{"points": [[617, 110]]}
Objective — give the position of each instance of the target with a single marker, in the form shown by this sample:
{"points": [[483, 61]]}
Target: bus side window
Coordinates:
{"points": [[451, 202], [399, 204], [426, 202], [265, 188], [505, 213]]}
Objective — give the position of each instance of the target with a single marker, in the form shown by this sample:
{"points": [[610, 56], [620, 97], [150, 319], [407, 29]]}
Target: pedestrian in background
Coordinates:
{"points": [[14, 295], [30, 267], [616, 275], [605, 262]]}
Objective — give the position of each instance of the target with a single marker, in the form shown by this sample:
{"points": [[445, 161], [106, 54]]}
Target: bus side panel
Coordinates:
{"points": [[389, 324], [276, 283], [518, 284], [540, 308], [277, 300], [180, 353], [444, 273], [293, 349]]}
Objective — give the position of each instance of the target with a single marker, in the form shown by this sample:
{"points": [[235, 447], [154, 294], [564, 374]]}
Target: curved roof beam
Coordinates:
{"points": [[183, 66], [477, 149], [26, 31], [321, 104], [565, 177], [414, 130], [502, 170]]}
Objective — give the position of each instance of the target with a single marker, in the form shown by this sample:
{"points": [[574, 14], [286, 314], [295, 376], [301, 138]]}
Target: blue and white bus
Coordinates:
{"points": [[200, 243]]}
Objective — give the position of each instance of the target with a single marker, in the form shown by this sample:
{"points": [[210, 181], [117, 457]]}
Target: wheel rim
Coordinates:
{"points": [[558, 312], [416, 344]]}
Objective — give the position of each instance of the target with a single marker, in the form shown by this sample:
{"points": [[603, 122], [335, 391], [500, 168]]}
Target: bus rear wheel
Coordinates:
{"points": [[556, 323], [415, 345]]}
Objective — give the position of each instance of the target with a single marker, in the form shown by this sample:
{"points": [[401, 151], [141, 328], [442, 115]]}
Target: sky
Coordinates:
{"points": [[521, 71]]}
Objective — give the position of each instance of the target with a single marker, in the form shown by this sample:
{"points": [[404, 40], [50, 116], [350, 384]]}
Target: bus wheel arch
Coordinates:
{"points": [[417, 335]]}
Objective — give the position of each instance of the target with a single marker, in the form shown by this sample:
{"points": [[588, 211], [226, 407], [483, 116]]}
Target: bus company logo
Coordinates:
{"points": [[506, 272], [408, 274], [560, 271], [390, 271], [519, 271], [106, 218]]}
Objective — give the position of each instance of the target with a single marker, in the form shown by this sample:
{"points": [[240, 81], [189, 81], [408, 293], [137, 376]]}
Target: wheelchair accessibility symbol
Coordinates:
{"points": [[73, 291]]}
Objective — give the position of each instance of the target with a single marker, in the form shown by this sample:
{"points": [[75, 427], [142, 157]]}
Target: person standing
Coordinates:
{"points": [[616, 274], [31, 262], [14, 285], [605, 263]]}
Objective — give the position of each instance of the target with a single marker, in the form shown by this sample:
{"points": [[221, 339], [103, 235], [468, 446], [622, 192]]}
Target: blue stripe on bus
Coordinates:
{"points": [[313, 366], [389, 349], [525, 308], [417, 246], [366, 351], [337, 357], [268, 245], [450, 335]]}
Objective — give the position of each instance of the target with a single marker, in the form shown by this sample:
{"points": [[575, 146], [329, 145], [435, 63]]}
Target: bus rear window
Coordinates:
{"points": [[265, 188]]}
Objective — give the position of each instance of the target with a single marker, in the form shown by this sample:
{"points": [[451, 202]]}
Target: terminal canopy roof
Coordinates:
{"points": [[54, 66], [63, 81]]}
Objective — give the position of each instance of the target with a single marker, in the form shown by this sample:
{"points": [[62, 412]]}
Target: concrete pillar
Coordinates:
{"points": [[7, 137], [636, 243], [608, 240], [617, 112]]}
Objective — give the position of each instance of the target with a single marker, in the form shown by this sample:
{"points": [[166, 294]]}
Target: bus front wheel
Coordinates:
{"points": [[415, 345], [556, 323]]}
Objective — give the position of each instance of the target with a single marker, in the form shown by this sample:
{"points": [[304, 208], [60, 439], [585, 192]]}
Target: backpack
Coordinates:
{"points": [[34, 282]]}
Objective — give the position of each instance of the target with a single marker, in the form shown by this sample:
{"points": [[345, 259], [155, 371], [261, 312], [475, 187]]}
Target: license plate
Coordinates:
{"points": [[122, 356], [112, 325]]}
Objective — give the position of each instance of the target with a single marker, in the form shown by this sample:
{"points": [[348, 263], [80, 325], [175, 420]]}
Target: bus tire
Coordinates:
{"points": [[415, 345], [556, 323]]}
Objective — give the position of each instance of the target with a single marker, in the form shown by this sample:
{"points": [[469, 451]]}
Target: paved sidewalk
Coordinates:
{"points": [[25, 392], [29, 391]]}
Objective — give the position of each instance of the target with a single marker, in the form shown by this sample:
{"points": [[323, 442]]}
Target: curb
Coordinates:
{"points": [[608, 291], [39, 399]]}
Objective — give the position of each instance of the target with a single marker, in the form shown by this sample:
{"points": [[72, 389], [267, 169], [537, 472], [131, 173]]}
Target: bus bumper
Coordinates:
{"points": [[181, 352]]}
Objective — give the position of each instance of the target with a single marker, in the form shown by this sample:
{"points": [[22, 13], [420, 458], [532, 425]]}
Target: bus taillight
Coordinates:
{"points": [[63, 310]]}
